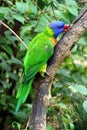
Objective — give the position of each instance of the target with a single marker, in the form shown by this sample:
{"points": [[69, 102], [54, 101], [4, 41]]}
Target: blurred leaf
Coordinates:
{"points": [[63, 16], [4, 10], [74, 48], [62, 105], [58, 84], [14, 60], [49, 127], [5, 84], [79, 88], [13, 76], [3, 56], [3, 40], [73, 10], [71, 3], [22, 115], [72, 7], [5, 66], [11, 105], [85, 105], [8, 2], [7, 49], [83, 41], [25, 29], [19, 17], [33, 8], [16, 125], [84, 79], [10, 39], [64, 72], [22, 7], [41, 24], [71, 126], [65, 120]]}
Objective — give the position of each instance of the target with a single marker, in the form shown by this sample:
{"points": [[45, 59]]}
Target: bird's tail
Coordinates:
{"points": [[22, 93]]}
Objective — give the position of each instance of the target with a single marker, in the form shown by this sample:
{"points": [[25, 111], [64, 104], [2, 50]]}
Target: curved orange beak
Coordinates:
{"points": [[66, 28]]}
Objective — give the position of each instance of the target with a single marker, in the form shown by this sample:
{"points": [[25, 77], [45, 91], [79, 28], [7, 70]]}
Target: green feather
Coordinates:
{"points": [[39, 51], [32, 72], [22, 93]]}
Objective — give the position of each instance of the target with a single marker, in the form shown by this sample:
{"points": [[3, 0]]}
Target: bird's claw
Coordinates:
{"points": [[47, 73]]}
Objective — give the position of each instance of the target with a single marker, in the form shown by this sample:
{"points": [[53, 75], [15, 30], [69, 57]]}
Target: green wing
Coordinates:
{"points": [[40, 50]]}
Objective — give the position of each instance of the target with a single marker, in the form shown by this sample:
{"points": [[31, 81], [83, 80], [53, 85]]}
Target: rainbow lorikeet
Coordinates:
{"points": [[40, 49]]}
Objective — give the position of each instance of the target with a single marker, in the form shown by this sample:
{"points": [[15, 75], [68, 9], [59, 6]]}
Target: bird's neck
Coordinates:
{"points": [[49, 32]]}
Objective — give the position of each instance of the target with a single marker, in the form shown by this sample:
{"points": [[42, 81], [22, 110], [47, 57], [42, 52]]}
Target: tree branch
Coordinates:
{"points": [[62, 50], [5, 25]]}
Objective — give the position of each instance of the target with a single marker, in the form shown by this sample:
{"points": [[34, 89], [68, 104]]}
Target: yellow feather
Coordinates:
{"points": [[43, 70]]}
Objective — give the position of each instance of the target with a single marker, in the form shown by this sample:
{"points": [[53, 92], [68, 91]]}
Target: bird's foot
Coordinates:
{"points": [[47, 73], [44, 73]]}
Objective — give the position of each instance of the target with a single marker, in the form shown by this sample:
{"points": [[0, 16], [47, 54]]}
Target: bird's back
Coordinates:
{"points": [[39, 51]]}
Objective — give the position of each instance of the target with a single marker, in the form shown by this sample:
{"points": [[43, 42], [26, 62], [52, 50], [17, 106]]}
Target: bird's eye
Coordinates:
{"points": [[60, 26]]}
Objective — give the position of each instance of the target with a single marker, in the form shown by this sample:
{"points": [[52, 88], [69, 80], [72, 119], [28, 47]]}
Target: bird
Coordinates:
{"points": [[40, 49]]}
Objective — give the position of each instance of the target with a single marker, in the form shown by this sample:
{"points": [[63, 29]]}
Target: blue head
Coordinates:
{"points": [[57, 27]]}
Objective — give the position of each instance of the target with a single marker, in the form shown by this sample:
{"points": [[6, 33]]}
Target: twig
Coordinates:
{"points": [[27, 125], [80, 15], [14, 34], [41, 11], [53, 10]]}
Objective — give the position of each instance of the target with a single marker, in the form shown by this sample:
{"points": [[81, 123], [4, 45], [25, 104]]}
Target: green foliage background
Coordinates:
{"points": [[68, 110]]}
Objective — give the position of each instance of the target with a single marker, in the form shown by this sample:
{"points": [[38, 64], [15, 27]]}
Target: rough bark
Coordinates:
{"points": [[62, 50]]}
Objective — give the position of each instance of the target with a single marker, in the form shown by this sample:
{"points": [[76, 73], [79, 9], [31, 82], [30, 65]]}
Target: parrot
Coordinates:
{"points": [[40, 49]]}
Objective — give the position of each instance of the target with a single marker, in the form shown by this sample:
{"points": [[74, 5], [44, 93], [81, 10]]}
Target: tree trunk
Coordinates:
{"points": [[62, 50]]}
